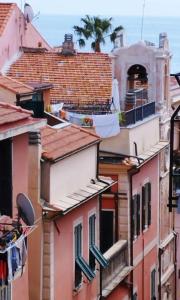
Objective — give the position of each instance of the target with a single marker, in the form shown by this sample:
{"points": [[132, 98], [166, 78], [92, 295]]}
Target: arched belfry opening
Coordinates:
{"points": [[137, 85]]}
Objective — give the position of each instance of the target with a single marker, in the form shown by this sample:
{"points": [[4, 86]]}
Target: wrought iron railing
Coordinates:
{"points": [[137, 114]]}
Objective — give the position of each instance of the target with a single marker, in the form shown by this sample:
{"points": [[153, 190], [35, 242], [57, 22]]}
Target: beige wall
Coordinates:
{"points": [[124, 141], [68, 175], [7, 96], [72, 173]]}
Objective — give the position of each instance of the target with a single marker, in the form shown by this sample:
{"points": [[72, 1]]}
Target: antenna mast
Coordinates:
{"points": [[142, 20]]}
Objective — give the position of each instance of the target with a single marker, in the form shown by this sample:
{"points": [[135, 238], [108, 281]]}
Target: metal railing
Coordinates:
{"points": [[138, 114]]}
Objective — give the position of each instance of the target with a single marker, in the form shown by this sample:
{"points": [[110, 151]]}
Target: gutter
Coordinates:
{"points": [[123, 155], [53, 161], [131, 173]]}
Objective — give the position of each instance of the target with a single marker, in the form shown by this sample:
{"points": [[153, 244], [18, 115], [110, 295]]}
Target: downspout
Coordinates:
{"points": [[100, 271], [175, 265], [100, 207], [159, 289], [131, 172]]}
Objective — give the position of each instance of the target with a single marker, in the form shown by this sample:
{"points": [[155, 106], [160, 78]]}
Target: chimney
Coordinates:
{"points": [[163, 41], [120, 39], [68, 45]]}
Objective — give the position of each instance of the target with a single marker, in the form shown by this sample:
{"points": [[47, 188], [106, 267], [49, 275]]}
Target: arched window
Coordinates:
{"points": [[137, 82]]}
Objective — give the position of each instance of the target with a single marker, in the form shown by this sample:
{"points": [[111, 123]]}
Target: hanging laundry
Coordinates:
{"points": [[13, 254], [106, 125], [3, 269]]}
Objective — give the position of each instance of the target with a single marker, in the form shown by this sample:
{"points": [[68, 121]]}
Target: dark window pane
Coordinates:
{"points": [[6, 177], [107, 230]]}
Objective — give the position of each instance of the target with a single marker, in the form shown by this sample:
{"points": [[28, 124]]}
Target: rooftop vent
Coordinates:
{"points": [[68, 45]]}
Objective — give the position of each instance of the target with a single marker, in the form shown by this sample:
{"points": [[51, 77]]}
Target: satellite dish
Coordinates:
{"points": [[25, 209], [28, 12]]}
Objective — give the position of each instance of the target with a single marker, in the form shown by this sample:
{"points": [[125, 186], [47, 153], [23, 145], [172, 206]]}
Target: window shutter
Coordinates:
{"points": [[138, 214], [149, 202], [143, 208], [133, 218]]}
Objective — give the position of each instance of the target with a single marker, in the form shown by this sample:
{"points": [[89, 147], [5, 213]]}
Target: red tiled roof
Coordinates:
{"points": [[5, 12], [77, 78], [18, 119], [10, 113], [59, 142], [14, 85]]}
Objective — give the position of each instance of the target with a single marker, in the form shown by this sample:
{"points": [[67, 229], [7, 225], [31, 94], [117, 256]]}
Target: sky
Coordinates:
{"points": [[102, 7]]}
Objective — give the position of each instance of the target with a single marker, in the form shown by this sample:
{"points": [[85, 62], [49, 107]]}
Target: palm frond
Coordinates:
{"points": [[97, 29], [113, 35], [81, 43]]}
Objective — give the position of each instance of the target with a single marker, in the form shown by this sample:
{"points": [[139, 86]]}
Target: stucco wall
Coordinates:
{"points": [[7, 96], [138, 133], [72, 173], [17, 33], [20, 185], [145, 247], [64, 254], [142, 275]]}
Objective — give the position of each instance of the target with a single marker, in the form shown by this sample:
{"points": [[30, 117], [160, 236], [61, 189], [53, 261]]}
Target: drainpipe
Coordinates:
{"points": [[100, 207], [131, 173], [159, 289], [100, 272], [175, 263]]}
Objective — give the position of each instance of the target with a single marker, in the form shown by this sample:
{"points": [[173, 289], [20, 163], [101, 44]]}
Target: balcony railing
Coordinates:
{"points": [[137, 114], [117, 268]]}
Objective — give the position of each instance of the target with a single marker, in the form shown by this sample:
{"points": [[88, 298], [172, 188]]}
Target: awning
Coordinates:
{"points": [[92, 189], [150, 153]]}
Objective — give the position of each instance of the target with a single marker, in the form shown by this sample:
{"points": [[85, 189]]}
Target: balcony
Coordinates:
{"points": [[137, 114], [117, 268]]}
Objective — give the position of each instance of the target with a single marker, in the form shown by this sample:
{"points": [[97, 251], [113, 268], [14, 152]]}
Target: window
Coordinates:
{"points": [[6, 177], [136, 215], [5, 292], [107, 229], [94, 252], [146, 205], [153, 285], [80, 263], [92, 221]]}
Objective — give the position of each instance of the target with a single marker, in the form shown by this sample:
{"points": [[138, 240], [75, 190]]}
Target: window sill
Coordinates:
{"points": [[77, 289], [146, 228]]}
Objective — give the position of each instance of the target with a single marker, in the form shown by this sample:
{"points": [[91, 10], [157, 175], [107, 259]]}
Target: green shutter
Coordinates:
{"points": [[149, 202], [99, 256], [138, 214], [133, 218], [85, 268], [143, 208]]}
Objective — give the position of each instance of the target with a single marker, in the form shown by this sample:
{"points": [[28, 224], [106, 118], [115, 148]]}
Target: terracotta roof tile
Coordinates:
{"points": [[5, 12], [14, 85], [80, 78], [10, 113], [60, 142], [13, 117]]}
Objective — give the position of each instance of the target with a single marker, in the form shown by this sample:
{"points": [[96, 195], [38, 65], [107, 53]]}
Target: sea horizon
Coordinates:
{"points": [[54, 27]]}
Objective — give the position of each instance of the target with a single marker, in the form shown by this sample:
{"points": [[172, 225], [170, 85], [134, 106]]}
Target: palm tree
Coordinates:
{"points": [[97, 29]]}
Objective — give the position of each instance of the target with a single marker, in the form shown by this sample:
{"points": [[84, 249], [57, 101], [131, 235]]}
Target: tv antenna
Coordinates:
{"points": [[142, 20]]}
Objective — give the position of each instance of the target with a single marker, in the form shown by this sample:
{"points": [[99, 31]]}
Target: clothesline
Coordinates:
{"points": [[23, 235]]}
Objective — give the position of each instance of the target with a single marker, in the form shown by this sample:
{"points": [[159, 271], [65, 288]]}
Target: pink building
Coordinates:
{"points": [[70, 191], [15, 33], [140, 235], [15, 125]]}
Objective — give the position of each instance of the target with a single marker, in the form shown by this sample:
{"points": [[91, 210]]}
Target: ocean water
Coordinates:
{"points": [[54, 27]]}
